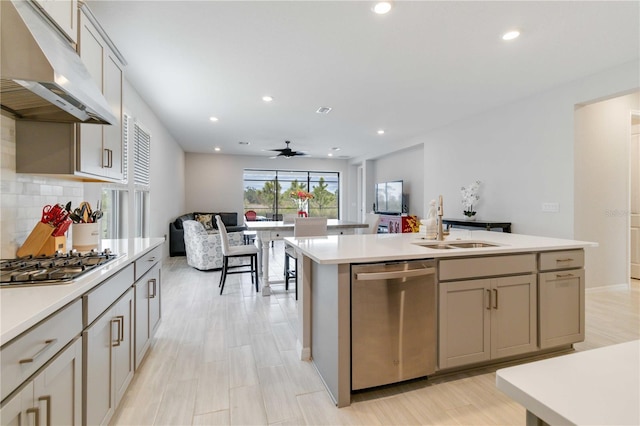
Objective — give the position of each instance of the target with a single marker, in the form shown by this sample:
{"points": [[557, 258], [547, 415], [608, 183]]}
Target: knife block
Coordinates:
{"points": [[36, 239], [52, 245]]}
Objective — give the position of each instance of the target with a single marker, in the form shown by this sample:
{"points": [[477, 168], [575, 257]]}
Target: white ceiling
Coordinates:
{"points": [[422, 66]]}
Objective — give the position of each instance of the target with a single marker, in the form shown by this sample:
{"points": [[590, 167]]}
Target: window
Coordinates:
{"points": [[114, 208], [267, 192]]}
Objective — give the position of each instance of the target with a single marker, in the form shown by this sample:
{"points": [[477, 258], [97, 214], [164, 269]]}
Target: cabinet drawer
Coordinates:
{"points": [[100, 298], [25, 354], [147, 261], [564, 259], [473, 267]]}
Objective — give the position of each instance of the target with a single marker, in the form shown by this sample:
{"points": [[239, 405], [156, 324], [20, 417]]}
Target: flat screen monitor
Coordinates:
{"points": [[389, 197]]}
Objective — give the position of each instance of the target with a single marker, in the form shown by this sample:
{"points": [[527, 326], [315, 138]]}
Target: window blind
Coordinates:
{"points": [[125, 148], [141, 156]]}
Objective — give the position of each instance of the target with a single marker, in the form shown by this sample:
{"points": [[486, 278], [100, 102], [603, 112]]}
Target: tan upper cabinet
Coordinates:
{"points": [[63, 14], [90, 152], [100, 147]]}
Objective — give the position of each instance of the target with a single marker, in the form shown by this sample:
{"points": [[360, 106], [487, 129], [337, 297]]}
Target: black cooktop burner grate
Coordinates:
{"points": [[59, 268]]}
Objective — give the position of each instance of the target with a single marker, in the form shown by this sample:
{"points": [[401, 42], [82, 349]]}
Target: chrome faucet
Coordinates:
{"points": [[440, 235]]}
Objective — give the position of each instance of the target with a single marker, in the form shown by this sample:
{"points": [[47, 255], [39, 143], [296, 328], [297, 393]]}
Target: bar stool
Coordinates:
{"points": [[229, 251], [303, 227]]}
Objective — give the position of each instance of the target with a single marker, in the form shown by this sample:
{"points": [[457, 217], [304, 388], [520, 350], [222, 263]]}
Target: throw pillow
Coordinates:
{"points": [[206, 220]]}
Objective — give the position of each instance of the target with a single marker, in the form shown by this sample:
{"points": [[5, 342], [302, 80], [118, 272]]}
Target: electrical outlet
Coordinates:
{"points": [[550, 207]]}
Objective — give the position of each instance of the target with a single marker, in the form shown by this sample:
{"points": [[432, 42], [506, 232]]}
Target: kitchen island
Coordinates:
{"points": [[540, 282]]}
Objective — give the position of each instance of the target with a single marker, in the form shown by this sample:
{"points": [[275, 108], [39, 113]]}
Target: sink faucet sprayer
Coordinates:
{"points": [[440, 236]]}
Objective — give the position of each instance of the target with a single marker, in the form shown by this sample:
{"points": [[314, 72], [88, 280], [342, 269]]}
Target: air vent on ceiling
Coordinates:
{"points": [[323, 110]]}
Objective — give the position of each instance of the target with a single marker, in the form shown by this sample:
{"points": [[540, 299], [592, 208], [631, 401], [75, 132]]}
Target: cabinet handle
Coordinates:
{"points": [[564, 275], [47, 399], [488, 299], [109, 161], [121, 330], [152, 294], [117, 320], [46, 346], [36, 413], [153, 259], [495, 306], [568, 259]]}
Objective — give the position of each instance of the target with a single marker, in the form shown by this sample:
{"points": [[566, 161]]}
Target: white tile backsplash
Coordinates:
{"points": [[22, 196]]}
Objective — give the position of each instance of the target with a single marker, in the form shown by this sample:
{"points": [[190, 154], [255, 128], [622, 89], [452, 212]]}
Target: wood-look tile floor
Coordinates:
{"points": [[231, 359]]}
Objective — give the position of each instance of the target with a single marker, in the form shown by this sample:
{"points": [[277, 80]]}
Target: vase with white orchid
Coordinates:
{"points": [[469, 198]]}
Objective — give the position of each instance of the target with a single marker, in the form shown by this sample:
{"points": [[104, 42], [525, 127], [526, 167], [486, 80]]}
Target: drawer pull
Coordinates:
{"points": [[46, 346], [153, 259], [495, 306], [36, 413], [568, 259], [47, 399], [564, 275]]}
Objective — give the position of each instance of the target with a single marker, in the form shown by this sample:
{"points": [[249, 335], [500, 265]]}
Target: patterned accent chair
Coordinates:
{"points": [[204, 249]]}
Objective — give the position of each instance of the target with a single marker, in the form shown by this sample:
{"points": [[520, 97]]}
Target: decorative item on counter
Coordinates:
{"points": [[302, 198], [469, 198], [431, 223]]}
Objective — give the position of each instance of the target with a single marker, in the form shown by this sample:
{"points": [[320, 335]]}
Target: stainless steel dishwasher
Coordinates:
{"points": [[393, 322]]}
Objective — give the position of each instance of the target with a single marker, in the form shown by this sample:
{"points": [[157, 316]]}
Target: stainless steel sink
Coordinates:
{"points": [[472, 244], [449, 245]]}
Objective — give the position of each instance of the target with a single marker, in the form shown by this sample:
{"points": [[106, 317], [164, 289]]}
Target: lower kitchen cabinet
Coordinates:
{"points": [[53, 396], [485, 319], [147, 297], [561, 296], [109, 360]]}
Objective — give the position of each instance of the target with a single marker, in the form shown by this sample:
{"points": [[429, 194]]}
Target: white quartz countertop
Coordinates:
{"points": [[335, 249], [597, 387], [23, 307]]}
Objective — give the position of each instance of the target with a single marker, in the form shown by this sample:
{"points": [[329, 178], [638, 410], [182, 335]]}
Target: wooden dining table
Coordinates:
{"points": [[267, 231]]}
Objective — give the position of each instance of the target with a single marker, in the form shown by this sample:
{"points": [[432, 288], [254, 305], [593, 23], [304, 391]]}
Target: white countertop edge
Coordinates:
{"points": [[546, 389], [24, 307], [331, 249]]}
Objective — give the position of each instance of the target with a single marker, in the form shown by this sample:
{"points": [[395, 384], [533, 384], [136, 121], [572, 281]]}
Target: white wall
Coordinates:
{"points": [[406, 165], [602, 138], [524, 155], [167, 167], [214, 182]]}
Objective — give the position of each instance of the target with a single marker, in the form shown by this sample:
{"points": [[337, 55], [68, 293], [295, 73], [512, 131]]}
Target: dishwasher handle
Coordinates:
{"points": [[370, 276]]}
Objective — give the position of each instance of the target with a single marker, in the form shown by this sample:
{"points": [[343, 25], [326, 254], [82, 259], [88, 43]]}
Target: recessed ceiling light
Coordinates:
{"points": [[214, 119], [323, 110], [329, 155], [217, 148], [267, 98], [510, 35], [381, 132], [382, 7]]}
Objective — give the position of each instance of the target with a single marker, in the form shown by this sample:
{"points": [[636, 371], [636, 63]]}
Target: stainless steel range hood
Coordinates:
{"points": [[43, 78]]}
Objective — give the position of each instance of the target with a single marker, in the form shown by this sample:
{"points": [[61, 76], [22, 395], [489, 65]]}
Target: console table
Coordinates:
{"points": [[486, 224]]}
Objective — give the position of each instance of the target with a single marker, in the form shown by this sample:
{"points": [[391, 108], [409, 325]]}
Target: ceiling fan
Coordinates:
{"points": [[288, 152]]}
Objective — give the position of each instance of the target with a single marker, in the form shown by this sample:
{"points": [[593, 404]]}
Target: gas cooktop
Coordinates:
{"points": [[60, 268]]}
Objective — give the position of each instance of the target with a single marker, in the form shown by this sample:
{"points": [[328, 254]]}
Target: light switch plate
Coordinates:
{"points": [[550, 207]]}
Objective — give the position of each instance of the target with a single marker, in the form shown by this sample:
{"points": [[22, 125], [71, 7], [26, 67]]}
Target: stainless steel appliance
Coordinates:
{"points": [[59, 268], [393, 322]]}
